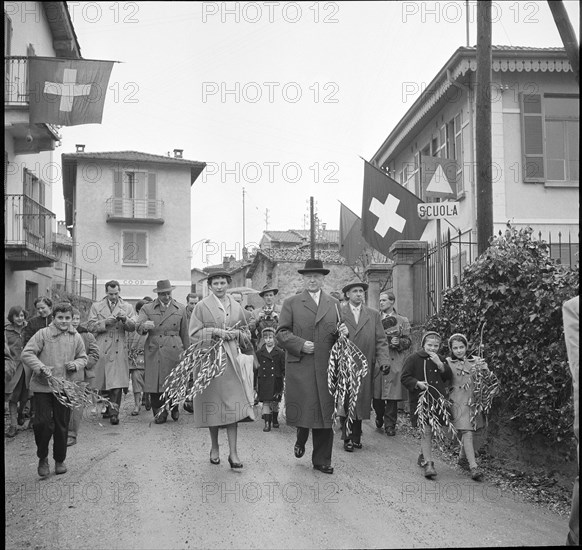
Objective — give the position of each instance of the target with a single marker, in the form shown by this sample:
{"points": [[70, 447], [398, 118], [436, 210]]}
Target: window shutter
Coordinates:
{"points": [[7, 38], [532, 133], [140, 249], [134, 247], [153, 211], [117, 193]]}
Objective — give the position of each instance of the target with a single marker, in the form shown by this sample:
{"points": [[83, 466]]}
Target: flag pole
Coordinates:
{"points": [[312, 226]]}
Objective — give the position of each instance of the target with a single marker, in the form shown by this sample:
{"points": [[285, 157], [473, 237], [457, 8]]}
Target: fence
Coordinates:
{"points": [[74, 280], [447, 259]]}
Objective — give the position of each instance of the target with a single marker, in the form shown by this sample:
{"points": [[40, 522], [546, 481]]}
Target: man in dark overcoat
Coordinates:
{"points": [[366, 332], [308, 326], [166, 323]]}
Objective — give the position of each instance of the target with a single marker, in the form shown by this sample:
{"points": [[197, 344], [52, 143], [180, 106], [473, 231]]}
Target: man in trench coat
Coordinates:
{"points": [[307, 330], [109, 320], [388, 389], [367, 333], [166, 323]]}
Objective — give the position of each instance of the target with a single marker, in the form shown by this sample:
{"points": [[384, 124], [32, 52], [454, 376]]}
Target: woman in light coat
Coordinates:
{"points": [[225, 401]]}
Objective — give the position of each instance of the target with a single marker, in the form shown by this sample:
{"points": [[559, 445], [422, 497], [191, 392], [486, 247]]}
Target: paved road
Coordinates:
{"points": [[141, 485]]}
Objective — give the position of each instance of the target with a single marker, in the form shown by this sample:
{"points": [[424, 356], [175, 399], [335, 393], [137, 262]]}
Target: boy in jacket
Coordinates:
{"points": [[56, 350]]}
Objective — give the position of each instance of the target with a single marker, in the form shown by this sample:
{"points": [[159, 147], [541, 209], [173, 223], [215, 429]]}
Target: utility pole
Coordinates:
{"points": [[312, 226], [567, 35], [266, 219], [243, 220], [483, 128]]}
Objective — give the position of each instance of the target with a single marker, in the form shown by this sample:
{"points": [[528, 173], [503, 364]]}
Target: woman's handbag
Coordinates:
{"points": [[245, 363]]}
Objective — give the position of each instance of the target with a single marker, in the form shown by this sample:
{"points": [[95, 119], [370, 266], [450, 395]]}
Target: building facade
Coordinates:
{"points": [[30, 29], [535, 163], [130, 216], [535, 130]]}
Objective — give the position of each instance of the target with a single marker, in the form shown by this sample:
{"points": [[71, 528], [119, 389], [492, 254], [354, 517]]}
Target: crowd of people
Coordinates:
{"points": [[288, 346]]}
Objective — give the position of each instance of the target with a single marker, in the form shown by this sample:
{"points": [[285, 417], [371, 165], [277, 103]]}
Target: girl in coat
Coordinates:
{"points": [[423, 370], [461, 390], [16, 390], [270, 375]]}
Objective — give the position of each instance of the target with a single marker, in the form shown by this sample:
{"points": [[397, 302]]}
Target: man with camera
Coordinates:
{"points": [[266, 316], [388, 389], [109, 320]]}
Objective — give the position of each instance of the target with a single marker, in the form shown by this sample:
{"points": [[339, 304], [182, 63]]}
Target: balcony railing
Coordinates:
{"points": [[28, 225], [119, 209], [16, 92], [16, 80]]}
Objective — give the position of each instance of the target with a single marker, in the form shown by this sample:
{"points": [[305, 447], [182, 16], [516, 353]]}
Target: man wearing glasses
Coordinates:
{"points": [[165, 321]]}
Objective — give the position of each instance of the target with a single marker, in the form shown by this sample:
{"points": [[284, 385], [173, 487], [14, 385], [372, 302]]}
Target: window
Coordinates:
{"points": [[134, 247], [550, 128], [135, 194]]}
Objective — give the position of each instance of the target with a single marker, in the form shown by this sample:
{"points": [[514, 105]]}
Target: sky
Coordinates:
{"points": [[280, 99]]}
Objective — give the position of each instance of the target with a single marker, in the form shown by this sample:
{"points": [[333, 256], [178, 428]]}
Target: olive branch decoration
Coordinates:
{"points": [[433, 411], [346, 369], [73, 394], [202, 365], [485, 387]]}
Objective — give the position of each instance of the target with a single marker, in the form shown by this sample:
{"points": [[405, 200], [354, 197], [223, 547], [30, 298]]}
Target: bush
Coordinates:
{"points": [[514, 292]]}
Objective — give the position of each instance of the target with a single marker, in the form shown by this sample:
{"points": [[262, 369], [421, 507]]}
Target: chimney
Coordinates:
{"points": [[226, 262], [80, 147], [178, 153]]}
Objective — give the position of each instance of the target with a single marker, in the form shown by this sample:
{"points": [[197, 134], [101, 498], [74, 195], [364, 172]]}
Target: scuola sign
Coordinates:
{"points": [[437, 210]]}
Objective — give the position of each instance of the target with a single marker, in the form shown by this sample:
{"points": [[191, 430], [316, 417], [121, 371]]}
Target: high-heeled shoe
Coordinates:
{"points": [[234, 464], [214, 460]]}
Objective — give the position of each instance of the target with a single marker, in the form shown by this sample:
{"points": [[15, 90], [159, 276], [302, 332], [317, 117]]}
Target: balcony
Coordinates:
{"points": [[28, 233], [28, 138], [134, 210]]}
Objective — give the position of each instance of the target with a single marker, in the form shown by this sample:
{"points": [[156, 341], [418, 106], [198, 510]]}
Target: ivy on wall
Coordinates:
{"points": [[516, 291]]}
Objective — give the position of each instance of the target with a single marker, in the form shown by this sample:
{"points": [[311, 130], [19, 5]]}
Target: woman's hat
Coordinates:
{"points": [[163, 286], [349, 287], [220, 273], [313, 266], [268, 288]]}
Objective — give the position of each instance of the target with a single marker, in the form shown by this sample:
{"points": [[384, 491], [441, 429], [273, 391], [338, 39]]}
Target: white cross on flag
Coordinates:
{"points": [[67, 92], [388, 211]]}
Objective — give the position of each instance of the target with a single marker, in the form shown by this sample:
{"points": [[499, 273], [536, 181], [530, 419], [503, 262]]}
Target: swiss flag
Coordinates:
{"points": [[388, 211], [67, 92]]}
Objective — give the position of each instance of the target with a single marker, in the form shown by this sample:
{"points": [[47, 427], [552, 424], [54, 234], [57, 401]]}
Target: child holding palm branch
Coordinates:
{"points": [[424, 376]]}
